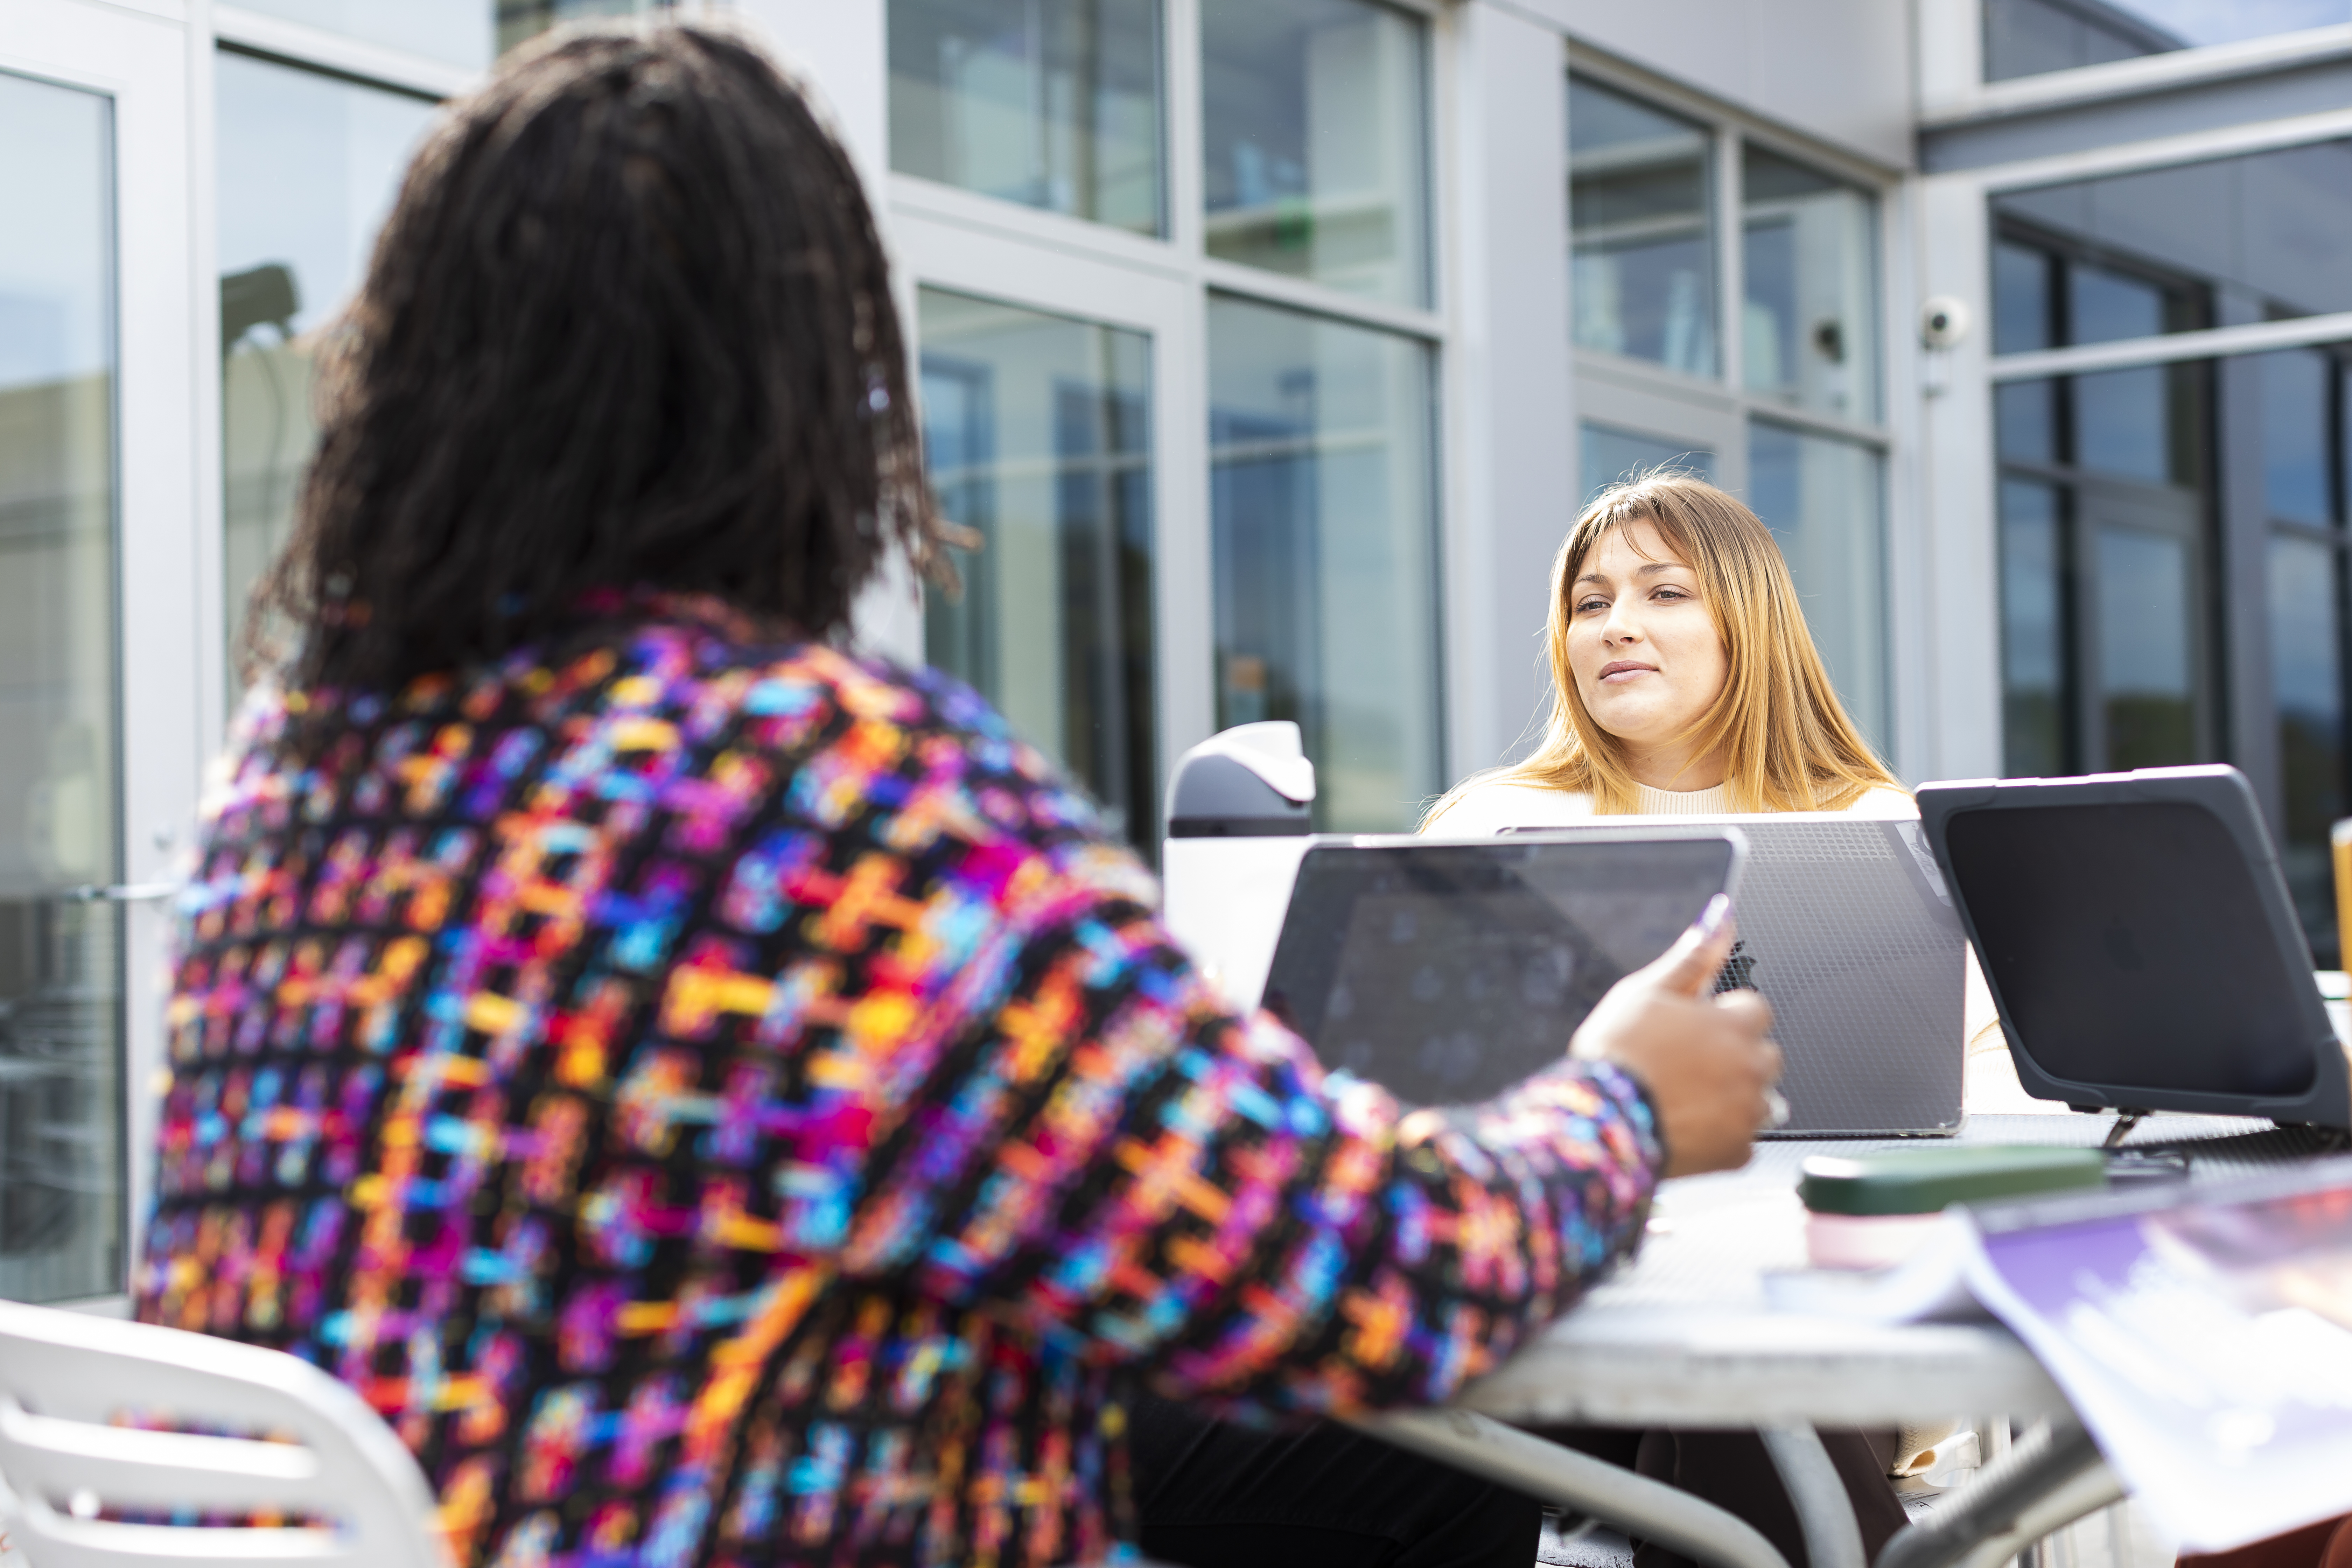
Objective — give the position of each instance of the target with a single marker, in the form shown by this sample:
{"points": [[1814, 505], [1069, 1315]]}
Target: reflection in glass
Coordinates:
{"points": [[1050, 103], [309, 166], [1038, 431], [2025, 421], [2140, 424], [1640, 179], [60, 1092], [1608, 456], [2295, 458], [1807, 333], [2027, 37], [2104, 305], [1822, 500], [2033, 631], [1324, 530], [2146, 663], [522, 19], [2273, 227], [2307, 683], [1314, 137], [2020, 299]]}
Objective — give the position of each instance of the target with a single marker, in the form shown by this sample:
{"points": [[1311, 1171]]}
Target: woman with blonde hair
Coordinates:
{"points": [[1684, 681]]}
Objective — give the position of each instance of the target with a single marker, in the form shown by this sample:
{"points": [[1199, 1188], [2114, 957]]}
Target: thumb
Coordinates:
{"points": [[1689, 967]]}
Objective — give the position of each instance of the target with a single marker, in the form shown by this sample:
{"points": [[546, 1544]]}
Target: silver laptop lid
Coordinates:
{"points": [[1847, 928]]}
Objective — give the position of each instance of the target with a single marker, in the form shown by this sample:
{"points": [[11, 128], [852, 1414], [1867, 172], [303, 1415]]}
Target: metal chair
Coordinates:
{"points": [[318, 1453]]}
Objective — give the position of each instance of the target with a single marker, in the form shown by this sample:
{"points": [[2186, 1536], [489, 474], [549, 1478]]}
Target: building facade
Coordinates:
{"points": [[1269, 347]]}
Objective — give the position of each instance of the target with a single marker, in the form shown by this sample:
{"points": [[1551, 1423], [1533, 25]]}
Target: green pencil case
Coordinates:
{"points": [[1872, 1211], [1926, 1181]]}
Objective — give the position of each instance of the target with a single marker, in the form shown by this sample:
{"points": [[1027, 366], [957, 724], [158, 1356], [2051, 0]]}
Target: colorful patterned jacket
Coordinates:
{"points": [[730, 1103]]}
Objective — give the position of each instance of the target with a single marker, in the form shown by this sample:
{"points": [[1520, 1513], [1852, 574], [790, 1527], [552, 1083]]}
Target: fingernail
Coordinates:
{"points": [[1717, 910]]}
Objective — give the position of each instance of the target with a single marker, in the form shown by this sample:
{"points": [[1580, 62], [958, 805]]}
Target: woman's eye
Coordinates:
{"points": [[1671, 593], [1585, 604]]}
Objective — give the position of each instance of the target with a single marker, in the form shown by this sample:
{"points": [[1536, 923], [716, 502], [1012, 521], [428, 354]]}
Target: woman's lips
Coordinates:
{"points": [[1624, 671]]}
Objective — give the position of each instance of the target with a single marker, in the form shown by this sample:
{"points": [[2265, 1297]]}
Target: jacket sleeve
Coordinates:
{"points": [[1189, 1192]]}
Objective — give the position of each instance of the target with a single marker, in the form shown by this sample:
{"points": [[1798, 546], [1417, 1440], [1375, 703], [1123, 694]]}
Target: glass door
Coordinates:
{"points": [[61, 936], [100, 687]]}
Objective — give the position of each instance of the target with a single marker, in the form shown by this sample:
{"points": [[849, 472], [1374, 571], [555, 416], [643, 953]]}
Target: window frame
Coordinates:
{"points": [[1953, 92], [1715, 410], [1719, 412], [1961, 233], [947, 238]]}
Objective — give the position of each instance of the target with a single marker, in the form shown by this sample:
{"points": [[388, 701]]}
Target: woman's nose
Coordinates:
{"points": [[1621, 626]]}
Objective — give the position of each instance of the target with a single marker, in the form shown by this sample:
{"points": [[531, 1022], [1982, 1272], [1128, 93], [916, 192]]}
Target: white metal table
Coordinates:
{"points": [[1683, 1336]]}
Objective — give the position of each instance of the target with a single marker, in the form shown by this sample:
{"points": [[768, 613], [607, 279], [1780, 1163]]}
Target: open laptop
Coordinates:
{"points": [[2141, 943], [1448, 972], [1847, 928]]}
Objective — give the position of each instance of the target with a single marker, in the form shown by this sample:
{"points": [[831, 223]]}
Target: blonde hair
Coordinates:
{"points": [[1778, 722]]}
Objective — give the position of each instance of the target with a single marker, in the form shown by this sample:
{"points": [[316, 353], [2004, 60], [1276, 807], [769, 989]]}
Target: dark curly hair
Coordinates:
{"points": [[629, 327]]}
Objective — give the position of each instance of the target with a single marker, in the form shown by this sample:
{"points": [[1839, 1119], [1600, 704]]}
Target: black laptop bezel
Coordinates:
{"points": [[2223, 794]]}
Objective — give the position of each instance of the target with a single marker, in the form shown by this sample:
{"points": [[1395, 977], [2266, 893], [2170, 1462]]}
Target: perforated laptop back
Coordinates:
{"points": [[1845, 926]]}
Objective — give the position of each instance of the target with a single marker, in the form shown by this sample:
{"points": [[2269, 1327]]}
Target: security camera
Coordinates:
{"points": [[1943, 322]]}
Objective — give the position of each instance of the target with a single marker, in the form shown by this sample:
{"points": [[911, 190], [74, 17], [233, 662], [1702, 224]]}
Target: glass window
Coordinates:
{"points": [[1323, 517], [467, 33], [1050, 103], [2295, 457], [1823, 500], [2021, 300], [2025, 421], [522, 19], [2270, 228], [2104, 305], [456, 32], [2027, 37], [60, 1092], [309, 167], [1807, 336], [1606, 456], [1314, 136], [2307, 681], [2104, 653], [1640, 200], [2147, 649], [1037, 430], [2033, 631], [2140, 423]]}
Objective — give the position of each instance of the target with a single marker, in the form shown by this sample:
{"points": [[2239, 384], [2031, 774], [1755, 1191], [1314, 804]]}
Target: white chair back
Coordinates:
{"points": [[64, 1377]]}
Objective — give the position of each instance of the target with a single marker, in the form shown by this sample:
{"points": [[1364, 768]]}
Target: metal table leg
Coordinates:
{"points": [[1648, 1510], [2048, 1478], [1825, 1514]]}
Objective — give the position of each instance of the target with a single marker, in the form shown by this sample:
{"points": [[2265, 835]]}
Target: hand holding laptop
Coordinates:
{"points": [[1705, 1060]]}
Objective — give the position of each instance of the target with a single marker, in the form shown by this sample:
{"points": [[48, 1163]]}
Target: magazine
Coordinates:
{"points": [[2203, 1335]]}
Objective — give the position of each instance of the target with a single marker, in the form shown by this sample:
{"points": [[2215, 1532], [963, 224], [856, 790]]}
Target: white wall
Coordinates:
{"points": [[1837, 70]]}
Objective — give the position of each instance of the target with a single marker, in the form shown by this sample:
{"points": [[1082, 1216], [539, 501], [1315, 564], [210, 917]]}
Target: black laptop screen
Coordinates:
{"points": [[2129, 946], [1449, 972]]}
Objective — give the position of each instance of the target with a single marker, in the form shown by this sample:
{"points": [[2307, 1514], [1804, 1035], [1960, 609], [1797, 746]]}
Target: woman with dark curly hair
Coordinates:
{"points": [[723, 1099]]}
